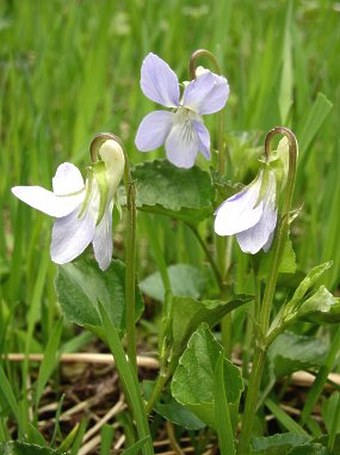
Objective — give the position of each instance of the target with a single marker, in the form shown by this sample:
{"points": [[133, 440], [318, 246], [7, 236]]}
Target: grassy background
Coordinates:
{"points": [[71, 68]]}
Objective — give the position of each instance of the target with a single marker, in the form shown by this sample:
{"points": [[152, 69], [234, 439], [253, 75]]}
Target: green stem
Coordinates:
{"points": [[130, 245], [251, 401], [162, 379], [130, 273], [208, 254], [221, 243], [263, 315], [250, 334], [283, 227]]}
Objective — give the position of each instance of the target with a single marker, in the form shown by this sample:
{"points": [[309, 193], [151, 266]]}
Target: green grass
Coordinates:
{"points": [[69, 69]]}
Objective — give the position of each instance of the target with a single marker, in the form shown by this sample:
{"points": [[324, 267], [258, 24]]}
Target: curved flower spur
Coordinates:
{"points": [[83, 211], [181, 130]]}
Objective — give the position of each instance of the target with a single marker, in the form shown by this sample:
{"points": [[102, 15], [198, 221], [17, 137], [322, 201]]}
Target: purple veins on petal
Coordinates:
{"points": [[181, 145], [159, 82], [182, 132]]}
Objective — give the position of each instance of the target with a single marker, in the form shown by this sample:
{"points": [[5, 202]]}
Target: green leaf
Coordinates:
{"points": [[286, 95], [278, 444], [306, 284], [224, 427], [49, 360], [81, 285], [188, 314], [185, 194], [320, 308], [287, 265], [22, 448], [324, 441], [316, 116], [129, 381], [285, 419], [7, 398], [194, 378], [136, 447], [291, 352], [184, 280], [171, 410], [290, 311], [330, 410], [310, 449]]}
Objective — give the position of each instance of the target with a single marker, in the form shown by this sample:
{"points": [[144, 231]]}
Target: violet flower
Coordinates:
{"points": [[251, 214], [83, 211], [181, 130]]}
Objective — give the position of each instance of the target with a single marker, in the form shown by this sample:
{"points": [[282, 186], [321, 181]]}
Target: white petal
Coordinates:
{"points": [[182, 145], [153, 130], [47, 202], [102, 241], [71, 235], [203, 138], [206, 94], [67, 180], [159, 83], [260, 235], [268, 243], [257, 237], [238, 213]]}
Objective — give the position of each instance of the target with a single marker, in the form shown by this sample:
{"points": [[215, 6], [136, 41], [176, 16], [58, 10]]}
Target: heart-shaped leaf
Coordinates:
{"points": [[184, 280], [189, 313], [291, 352], [185, 194], [194, 379], [81, 285], [278, 444]]}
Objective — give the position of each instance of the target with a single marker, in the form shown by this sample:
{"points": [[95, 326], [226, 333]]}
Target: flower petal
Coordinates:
{"points": [[67, 180], [238, 213], [268, 243], [71, 235], [261, 234], [182, 145], [203, 138], [47, 202], [102, 241], [257, 237], [206, 94], [153, 130], [158, 82]]}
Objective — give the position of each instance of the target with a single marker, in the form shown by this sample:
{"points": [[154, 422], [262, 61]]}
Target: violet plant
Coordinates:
{"points": [[205, 386]]}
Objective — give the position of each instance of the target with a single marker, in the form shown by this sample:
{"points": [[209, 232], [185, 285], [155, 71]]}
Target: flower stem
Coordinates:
{"points": [[202, 53], [162, 379], [130, 245], [263, 314], [130, 273], [209, 256]]}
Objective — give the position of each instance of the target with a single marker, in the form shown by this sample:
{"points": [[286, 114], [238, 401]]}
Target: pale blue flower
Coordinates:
{"points": [[251, 214], [181, 130], [83, 211]]}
